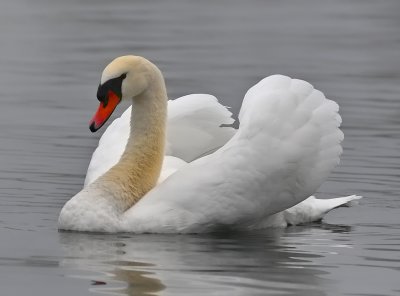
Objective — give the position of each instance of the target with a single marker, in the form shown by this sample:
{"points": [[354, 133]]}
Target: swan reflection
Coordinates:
{"points": [[277, 260]]}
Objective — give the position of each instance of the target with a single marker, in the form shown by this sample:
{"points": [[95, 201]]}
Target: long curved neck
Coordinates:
{"points": [[139, 168]]}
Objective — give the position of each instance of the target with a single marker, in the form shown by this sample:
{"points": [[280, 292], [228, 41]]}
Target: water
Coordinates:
{"points": [[52, 53]]}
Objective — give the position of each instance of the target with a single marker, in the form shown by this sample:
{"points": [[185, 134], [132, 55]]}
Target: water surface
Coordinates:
{"points": [[52, 54]]}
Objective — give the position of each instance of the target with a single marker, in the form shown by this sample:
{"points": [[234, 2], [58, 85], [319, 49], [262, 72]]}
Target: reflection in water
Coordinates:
{"points": [[98, 254], [276, 260], [139, 282]]}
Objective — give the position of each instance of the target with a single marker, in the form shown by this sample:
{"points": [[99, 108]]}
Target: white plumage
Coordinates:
{"points": [[287, 143]]}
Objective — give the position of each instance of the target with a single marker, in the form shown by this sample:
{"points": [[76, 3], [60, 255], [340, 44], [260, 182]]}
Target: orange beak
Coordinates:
{"points": [[104, 111]]}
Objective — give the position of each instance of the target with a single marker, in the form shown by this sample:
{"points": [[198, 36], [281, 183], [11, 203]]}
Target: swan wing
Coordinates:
{"points": [[193, 129], [287, 144], [194, 126]]}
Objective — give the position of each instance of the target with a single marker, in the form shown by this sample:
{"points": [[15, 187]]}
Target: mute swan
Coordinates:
{"points": [[258, 176]]}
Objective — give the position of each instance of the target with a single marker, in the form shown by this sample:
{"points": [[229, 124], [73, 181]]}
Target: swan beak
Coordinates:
{"points": [[104, 111]]}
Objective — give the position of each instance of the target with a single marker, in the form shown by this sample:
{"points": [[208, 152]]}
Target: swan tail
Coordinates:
{"points": [[313, 209], [309, 210], [345, 201]]}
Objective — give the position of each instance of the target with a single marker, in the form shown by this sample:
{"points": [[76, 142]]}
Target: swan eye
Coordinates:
{"points": [[113, 85]]}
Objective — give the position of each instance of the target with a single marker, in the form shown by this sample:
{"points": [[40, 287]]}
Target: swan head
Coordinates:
{"points": [[124, 78]]}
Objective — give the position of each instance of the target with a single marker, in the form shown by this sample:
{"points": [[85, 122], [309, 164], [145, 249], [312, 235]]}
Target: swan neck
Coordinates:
{"points": [[140, 165], [148, 118]]}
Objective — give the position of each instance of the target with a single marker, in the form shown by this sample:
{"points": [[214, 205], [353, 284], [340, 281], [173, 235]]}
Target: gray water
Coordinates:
{"points": [[51, 55]]}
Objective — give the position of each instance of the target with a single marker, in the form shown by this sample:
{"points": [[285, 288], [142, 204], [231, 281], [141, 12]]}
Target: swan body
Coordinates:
{"points": [[170, 167]]}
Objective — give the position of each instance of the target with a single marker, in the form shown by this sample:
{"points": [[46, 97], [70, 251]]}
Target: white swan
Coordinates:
{"points": [[261, 175]]}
